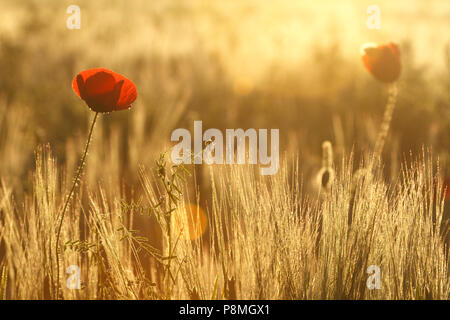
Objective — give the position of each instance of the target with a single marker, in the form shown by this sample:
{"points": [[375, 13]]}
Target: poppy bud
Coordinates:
{"points": [[382, 61]]}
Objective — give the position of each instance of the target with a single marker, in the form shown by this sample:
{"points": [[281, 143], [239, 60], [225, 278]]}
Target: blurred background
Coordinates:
{"points": [[293, 65]]}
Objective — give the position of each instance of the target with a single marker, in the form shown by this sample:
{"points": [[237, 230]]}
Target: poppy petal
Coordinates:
{"points": [[104, 90], [100, 83], [382, 61], [78, 85], [127, 96]]}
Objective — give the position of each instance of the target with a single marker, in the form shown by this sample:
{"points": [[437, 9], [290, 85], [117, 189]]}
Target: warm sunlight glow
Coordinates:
{"points": [[189, 222]]}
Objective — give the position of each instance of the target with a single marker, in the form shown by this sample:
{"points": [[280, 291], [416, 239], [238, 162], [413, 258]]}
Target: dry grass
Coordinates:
{"points": [[265, 240]]}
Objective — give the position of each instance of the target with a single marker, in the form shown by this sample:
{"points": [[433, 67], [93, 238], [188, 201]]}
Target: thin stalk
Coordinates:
{"points": [[387, 119], [167, 273], [66, 204]]}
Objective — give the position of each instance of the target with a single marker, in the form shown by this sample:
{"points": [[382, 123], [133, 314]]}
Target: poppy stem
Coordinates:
{"points": [[387, 118], [66, 204]]}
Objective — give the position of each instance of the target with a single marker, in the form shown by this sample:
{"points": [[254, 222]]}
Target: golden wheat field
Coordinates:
{"points": [[362, 186]]}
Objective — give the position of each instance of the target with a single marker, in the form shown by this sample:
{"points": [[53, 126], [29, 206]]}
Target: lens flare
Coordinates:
{"points": [[189, 222]]}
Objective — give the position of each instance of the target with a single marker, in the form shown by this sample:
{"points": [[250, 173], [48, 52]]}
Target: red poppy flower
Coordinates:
{"points": [[104, 90], [382, 61]]}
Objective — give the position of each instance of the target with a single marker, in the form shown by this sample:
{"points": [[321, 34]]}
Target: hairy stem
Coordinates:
{"points": [[387, 118], [66, 204]]}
